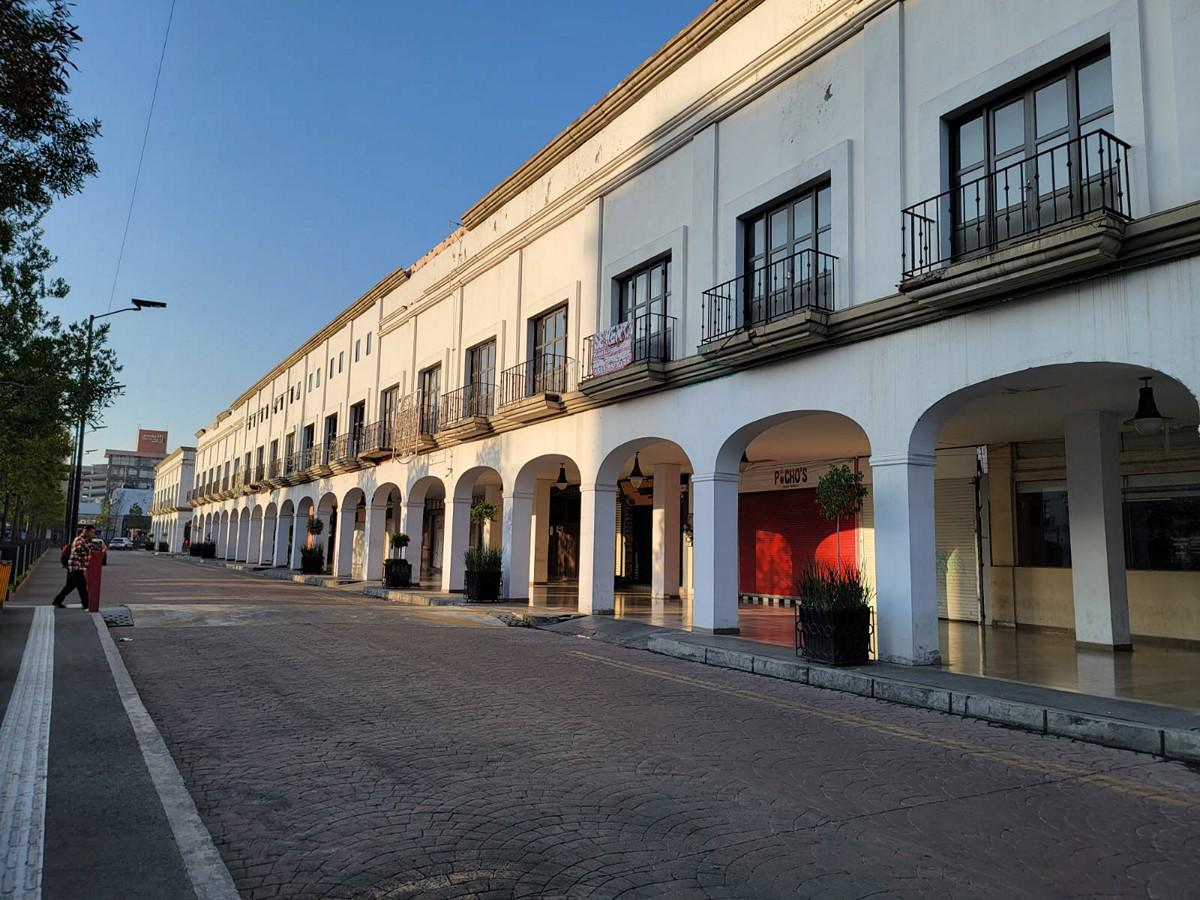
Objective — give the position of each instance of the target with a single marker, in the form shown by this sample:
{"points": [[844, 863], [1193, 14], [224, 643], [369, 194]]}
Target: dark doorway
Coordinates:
{"points": [[333, 517], [432, 533], [563, 549]]}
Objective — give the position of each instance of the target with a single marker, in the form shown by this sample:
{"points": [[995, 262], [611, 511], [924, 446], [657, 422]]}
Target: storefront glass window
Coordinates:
{"points": [[1043, 529], [1162, 522]]}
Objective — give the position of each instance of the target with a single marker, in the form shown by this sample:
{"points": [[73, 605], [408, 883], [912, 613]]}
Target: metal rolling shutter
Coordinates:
{"points": [[957, 561]]}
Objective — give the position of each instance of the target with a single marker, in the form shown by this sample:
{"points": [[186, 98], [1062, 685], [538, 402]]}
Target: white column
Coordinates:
{"points": [[715, 525], [597, 547], [494, 495], [514, 552], [539, 562], [665, 532], [455, 540], [283, 527], [906, 623], [343, 561], [254, 547], [266, 542], [376, 540], [299, 533], [414, 524], [1097, 532]]}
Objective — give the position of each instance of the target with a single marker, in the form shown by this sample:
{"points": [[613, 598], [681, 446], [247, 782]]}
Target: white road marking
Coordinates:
{"points": [[24, 752], [207, 871]]}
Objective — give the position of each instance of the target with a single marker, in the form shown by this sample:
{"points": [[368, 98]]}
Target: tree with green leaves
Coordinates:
{"points": [[47, 378], [840, 493]]}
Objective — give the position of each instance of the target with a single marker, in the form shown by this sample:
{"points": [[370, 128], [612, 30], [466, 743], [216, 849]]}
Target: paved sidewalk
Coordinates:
{"points": [[82, 814], [1162, 730]]}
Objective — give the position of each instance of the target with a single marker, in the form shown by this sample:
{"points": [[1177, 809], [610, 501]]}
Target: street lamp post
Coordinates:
{"points": [[75, 489]]}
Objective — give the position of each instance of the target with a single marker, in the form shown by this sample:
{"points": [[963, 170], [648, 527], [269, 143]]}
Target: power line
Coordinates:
{"points": [[141, 156]]}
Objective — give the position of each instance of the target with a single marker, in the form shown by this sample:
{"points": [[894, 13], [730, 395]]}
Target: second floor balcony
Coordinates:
{"points": [[343, 453], [629, 357], [1057, 212], [534, 389], [466, 412], [376, 440], [799, 287]]}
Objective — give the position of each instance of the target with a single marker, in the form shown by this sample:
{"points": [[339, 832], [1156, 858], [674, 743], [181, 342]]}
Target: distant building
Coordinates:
{"points": [[170, 512], [129, 511], [134, 469], [94, 485]]}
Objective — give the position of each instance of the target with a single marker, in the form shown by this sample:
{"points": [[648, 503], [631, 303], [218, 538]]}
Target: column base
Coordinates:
{"points": [[1114, 648], [698, 630], [932, 658]]}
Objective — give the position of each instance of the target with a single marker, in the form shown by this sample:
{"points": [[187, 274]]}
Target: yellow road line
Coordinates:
{"points": [[1110, 782]]}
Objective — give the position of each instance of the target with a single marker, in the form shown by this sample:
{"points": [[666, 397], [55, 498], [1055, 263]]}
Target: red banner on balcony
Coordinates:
{"points": [[612, 349]]}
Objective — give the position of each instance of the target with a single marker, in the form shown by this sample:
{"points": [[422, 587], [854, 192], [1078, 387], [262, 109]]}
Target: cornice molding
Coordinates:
{"points": [[697, 35], [757, 77], [382, 288]]}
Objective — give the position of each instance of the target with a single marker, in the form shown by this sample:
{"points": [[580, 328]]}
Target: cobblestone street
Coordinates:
{"points": [[342, 747]]}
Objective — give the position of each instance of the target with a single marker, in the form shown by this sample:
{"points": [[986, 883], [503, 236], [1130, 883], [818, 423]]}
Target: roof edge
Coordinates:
{"points": [[697, 35]]}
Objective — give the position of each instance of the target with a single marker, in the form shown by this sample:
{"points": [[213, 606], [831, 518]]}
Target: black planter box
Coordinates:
{"points": [[836, 637], [312, 565], [397, 573], [482, 587]]}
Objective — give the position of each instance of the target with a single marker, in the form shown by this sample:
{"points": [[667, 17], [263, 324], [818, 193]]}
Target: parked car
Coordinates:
{"points": [[120, 543], [98, 546]]}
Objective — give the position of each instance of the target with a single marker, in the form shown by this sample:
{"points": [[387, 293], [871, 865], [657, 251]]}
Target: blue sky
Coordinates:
{"points": [[300, 150]]}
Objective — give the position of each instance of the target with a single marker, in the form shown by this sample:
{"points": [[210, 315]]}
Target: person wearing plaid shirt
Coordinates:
{"points": [[77, 564]]}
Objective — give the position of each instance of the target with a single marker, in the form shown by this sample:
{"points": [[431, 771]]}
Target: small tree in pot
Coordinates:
{"points": [[315, 527], [833, 614], [840, 493], [397, 571], [482, 578]]}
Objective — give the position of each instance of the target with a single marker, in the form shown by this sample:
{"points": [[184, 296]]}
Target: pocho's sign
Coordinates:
{"points": [[792, 476], [612, 349]]}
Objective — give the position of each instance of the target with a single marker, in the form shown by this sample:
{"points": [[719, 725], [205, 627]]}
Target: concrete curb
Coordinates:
{"points": [[206, 870], [1172, 743]]}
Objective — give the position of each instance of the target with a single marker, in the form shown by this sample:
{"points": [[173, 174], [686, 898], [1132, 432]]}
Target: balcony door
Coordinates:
{"points": [[549, 352], [1018, 163], [787, 261], [481, 380], [429, 388], [358, 415], [331, 426], [644, 296]]}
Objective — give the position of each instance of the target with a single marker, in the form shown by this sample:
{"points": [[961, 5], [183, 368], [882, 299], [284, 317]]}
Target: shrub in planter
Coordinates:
{"points": [[203, 549], [833, 616], [312, 560], [163, 547], [397, 572], [482, 578]]}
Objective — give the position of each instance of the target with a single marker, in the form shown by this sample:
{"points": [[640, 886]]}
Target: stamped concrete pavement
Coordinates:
{"points": [[336, 746]]}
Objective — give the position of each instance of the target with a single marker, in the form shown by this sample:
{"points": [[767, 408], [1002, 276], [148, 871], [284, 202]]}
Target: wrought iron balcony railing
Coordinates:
{"points": [[544, 374], [468, 402], [376, 437], [649, 337], [313, 457], [782, 288], [260, 472], [275, 468], [346, 446], [1061, 184]]}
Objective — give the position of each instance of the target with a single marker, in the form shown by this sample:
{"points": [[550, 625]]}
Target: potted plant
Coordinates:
{"points": [[833, 616], [397, 571], [163, 547], [314, 527], [840, 493], [312, 560], [482, 511], [482, 579]]}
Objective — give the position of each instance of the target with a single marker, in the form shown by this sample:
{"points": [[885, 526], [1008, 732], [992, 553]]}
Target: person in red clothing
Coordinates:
{"points": [[77, 564]]}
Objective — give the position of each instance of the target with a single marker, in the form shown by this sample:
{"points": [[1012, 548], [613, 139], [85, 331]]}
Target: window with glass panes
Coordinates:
{"points": [[429, 384], [1023, 142], [787, 244], [549, 351], [481, 379]]}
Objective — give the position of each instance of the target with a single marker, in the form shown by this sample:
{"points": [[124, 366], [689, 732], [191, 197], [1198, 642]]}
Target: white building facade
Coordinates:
{"points": [[170, 513], [940, 242]]}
